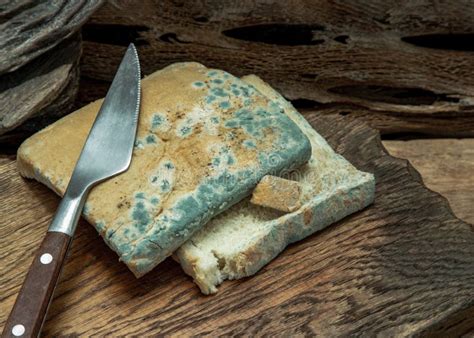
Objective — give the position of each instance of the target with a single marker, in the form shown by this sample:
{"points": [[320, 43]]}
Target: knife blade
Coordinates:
{"points": [[107, 152]]}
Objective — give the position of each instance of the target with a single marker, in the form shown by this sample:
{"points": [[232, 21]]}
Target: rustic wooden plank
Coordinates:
{"points": [[393, 124], [405, 265], [30, 28], [447, 167], [40, 92], [403, 67], [40, 49]]}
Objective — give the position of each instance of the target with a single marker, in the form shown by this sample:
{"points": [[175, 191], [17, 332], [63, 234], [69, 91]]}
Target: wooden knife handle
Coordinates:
{"points": [[32, 302]]}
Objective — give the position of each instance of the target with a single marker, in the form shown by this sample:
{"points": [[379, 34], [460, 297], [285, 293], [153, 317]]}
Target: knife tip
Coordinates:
{"points": [[131, 47], [133, 50]]}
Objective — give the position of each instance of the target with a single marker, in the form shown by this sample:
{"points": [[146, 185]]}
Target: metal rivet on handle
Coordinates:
{"points": [[46, 258], [18, 330]]}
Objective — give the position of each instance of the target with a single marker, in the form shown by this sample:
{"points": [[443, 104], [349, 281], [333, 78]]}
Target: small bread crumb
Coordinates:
{"points": [[277, 193]]}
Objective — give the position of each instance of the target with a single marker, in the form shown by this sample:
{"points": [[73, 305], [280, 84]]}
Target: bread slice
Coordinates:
{"points": [[205, 139], [243, 239]]}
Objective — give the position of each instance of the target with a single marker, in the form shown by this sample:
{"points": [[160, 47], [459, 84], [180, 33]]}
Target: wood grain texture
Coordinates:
{"points": [[40, 49], [41, 92], [447, 167], [30, 28], [403, 266], [402, 66]]}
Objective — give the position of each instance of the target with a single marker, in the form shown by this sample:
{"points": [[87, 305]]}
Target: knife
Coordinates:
{"points": [[106, 152]]}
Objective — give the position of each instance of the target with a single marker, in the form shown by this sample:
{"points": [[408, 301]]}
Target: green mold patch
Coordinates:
{"points": [[165, 185], [157, 120], [185, 131], [224, 104], [150, 139], [249, 144], [210, 99]]}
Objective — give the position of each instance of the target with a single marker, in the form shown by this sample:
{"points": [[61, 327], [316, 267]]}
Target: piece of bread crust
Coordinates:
{"points": [[277, 193]]}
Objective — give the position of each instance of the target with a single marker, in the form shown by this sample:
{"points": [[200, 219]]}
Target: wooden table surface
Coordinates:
{"points": [[447, 167], [405, 265]]}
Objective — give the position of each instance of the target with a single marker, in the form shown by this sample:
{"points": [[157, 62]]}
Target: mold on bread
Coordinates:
{"points": [[240, 241], [205, 138]]}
